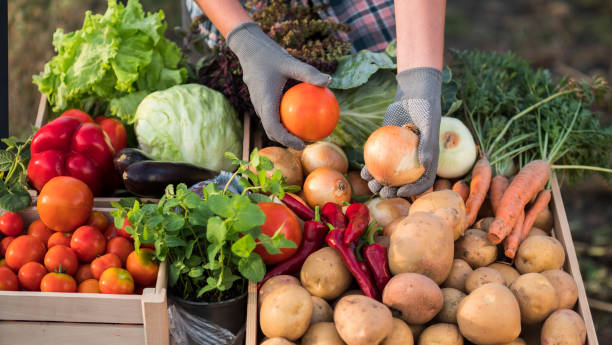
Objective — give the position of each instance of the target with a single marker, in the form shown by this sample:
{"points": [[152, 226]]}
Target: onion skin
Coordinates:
{"points": [[457, 149], [325, 185], [286, 162], [324, 154], [390, 153], [384, 211]]}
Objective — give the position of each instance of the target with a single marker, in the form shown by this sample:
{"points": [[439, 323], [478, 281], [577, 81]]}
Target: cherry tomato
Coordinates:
{"points": [[278, 216], [11, 224], [115, 131], [83, 273], [24, 249], [5, 243], [39, 230], [59, 238], [4, 264], [116, 281], [98, 220], [121, 232], [61, 259], [310, 112], [30, 275], [87, 242], [120, 246], [64, 203], [8, 280], [141, 266], [79, 114], [89, 286], [110, 232], [101, 263], [57, 282]]}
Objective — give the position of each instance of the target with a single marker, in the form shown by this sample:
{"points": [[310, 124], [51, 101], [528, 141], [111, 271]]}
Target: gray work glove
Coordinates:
{"points": [[266, 67], [417, 101]]}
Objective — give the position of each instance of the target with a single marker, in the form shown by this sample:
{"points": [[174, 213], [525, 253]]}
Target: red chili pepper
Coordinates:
{"points": [[332, 212], [314, 238], [359, 218], [335, 239], [302, 211], [376, 257]]}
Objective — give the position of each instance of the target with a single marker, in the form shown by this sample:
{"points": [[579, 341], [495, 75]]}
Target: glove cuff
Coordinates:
{"points": [[420, 82], [247, 38]]}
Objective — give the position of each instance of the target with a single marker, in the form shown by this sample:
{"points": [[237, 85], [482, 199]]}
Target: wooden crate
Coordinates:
{"points": [[84, 318], [561, 231]]}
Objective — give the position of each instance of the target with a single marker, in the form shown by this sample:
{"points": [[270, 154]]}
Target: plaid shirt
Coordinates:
{"points": [[372, 22]]}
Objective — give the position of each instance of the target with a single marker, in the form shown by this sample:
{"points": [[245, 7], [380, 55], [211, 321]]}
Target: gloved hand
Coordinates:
{"points": [[266, 67], [417, 101]]}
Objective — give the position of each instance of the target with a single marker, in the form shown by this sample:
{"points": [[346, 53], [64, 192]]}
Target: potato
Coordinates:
{"points": [[475, 248], [384, 211], [482, 276], [382, 240], [286, 162], [544, 220], [489, 315], [347, 293], [392, 226], [361, 320], [460, 270], [433, 201], [508, 272], [567, 291], [536, 296], [324, 274], [416, 296], [274, 283], [321, 311], [452, 218], [450, 299], [441, 334], [563, 327], [484, 223], [539, 253], [286, 312], [517, 341], [322, 333], [422, 244], [536, 232], [400, 334], [277, 341]]}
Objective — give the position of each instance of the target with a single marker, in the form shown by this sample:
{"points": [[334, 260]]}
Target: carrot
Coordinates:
{"points": [[540, 203], [481, 179], [462, 189], [441, 184], [498, 186], [512, 241], [527, 183]]}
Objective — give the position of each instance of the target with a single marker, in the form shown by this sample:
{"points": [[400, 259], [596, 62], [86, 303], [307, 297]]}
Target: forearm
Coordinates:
{"points": [[420, 33], [224, 14]]}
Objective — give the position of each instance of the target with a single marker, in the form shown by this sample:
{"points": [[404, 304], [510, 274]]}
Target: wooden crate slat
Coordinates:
{"points": [[155, 316]]}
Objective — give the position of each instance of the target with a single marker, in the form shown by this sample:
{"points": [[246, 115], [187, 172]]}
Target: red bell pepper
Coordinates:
{"points": [[115, 130], [359, 217], [68, 147]]}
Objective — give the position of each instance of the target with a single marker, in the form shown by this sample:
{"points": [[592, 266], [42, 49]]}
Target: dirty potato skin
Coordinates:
{"points": [[567, 291], [286, 312], [324, 274], [416, 296], [441, 334], [563, 327], [482, 276], [322, 333], [536, 296], [400, 334], [539, 253], [508, 272], [431, 202], [460, 270], [475, 248], [274, 283], [361, 320], [277, 341], [321, 311], [451, 299]]}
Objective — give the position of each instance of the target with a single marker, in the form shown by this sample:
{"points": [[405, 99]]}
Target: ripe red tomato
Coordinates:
{"points": [[87, 242], [59, 238], [11, 224], [57, 282], [61, 259], [64, 203], [8, 280], [121, 232], [83, 273], [30, 275], [39, 230], [98, 220], [79, 114], [116, 281], [278, 216], [101, 263], [4, 264], [141, 266], [110, 232], [89, 286], [24, 249], [120, 246], [310, 112], [115, 131], [5, 243]]}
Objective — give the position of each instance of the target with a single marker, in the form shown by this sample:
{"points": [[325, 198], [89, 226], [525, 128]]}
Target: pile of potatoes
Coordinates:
{"points": [[447, 287]]}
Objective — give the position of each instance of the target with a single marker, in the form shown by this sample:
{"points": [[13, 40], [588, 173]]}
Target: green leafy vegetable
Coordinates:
{"points": [[355, 69], [14, 194]]}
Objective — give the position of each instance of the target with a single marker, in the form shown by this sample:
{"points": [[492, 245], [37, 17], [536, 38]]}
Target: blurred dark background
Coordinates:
{"points": [[569, 37]]}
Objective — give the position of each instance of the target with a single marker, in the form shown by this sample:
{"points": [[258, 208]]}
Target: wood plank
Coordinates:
{"points": [[251, 321], [61, 333], [41, 112], [155, 316], [563, 234]]}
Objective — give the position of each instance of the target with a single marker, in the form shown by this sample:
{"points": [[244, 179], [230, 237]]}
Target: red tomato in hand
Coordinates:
{"points": [[8, 280], [30, 275], [64, 203], [11, 224], [101, 263], [309, 112], [278, 216], [79, 114], [57, 282], [39, 230], [5, 243], [115, 131], [87, 242], [61, 259], [59, 238], [141, 266], [89, 286], [24, 249], [98, 220], [119, 246], [116, 281], [83, 273]]}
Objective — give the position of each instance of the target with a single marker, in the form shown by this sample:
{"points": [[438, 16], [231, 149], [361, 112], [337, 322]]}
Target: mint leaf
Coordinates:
{"points": [[6, 160], [196, 272], [268, 244], [216, 231], [173, 241], [192, 200], [252, 268], [15, 198], [258, 197], [244, 246], [220, 205], [174, 222], [248, 217], [174, 271]]}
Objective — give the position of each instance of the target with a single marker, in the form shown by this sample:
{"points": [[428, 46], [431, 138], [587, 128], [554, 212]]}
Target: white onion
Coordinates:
{"points": [[457, 149]]}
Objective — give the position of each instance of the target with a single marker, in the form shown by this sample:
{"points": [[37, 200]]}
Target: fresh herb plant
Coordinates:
{"points": [[14, 160]]}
